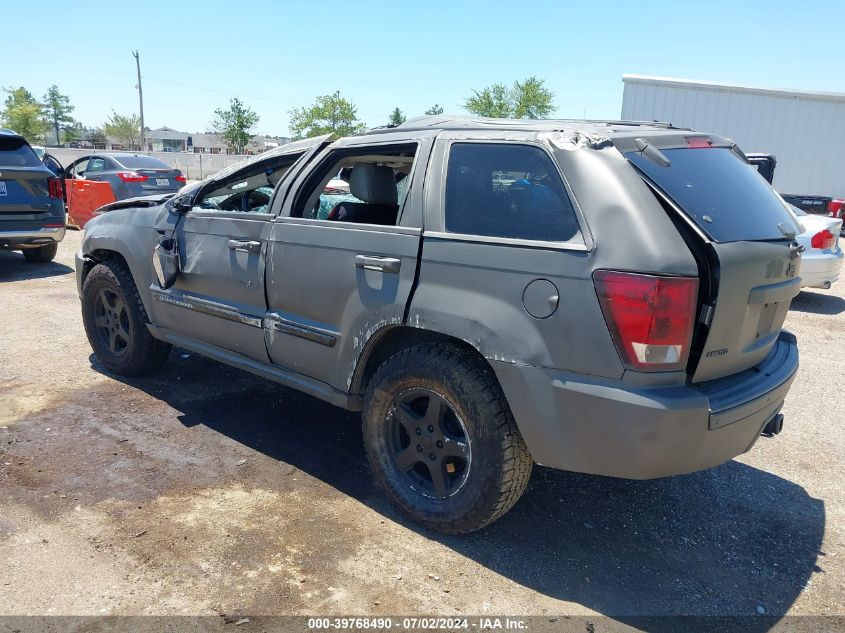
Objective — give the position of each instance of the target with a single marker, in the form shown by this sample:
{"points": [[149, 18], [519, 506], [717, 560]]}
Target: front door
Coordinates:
{"points": [[218, 297], [343, 254]]}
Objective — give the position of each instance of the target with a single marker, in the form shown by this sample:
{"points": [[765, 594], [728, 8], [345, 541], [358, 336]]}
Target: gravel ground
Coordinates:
{"points": [[203, 490]]}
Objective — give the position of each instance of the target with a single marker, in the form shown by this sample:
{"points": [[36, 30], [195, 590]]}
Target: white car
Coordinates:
{"points": [[821, 260]]}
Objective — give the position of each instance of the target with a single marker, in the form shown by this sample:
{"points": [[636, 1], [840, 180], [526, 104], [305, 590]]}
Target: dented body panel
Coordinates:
{"points": [[311, 302]]}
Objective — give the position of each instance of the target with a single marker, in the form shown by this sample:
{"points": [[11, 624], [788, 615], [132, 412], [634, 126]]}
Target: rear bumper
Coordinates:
{"points": [[31, 237], [820, 269], [607, 427]]}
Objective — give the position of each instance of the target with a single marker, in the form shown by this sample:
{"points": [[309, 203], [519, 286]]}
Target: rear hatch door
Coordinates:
{"points": [[24, 193], [746, 237]]}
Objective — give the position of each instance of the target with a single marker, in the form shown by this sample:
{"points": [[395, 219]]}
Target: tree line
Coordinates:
{"points": [[330, 114]]}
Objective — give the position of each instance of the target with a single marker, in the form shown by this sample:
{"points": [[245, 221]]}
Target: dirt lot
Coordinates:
{"points": [[203, 490]]}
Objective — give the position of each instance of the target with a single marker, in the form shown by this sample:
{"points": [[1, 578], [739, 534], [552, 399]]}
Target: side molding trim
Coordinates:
{"points": [[278, 323], [206, 307]]}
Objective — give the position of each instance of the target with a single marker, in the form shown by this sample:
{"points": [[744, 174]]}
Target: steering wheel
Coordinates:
{"points": [[247, 202]]}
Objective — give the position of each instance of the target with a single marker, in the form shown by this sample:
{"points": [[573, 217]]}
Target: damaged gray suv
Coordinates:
{"points": [[601, 297]]}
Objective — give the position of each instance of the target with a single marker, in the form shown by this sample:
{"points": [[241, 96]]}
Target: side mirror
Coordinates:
{"points": [[182, 204]]}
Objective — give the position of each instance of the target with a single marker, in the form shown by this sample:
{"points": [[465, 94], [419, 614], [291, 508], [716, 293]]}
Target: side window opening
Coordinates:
{"points": [[368, 186], [95, 164], [78, 170], [247, 192], [507, 190]]}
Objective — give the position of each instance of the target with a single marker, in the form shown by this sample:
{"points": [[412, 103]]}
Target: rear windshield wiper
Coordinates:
{"points": [[652, 153]]}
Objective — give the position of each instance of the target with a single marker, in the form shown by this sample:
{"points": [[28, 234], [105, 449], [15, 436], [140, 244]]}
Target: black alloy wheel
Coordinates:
{"points": [[429, 443]]}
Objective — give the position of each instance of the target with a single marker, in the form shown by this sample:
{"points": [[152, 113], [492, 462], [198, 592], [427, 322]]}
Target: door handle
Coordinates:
{"points": [[246, 247], [380, 264]]}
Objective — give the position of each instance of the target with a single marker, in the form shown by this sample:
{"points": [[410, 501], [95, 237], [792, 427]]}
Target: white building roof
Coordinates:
{"points": [[715, 85]]}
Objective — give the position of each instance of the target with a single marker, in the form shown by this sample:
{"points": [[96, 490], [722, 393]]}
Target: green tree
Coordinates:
{"points": [[126, 129], [329, 114], [72, 132], [532, 100], [235, 124], [528, 99], [98, 138], [397, 117], [57, 108], [23, 114], [434, 110]]}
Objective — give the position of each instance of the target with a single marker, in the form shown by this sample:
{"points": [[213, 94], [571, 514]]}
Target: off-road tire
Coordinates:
{"points": [[42, 254], [500, 464], [143, 354]]}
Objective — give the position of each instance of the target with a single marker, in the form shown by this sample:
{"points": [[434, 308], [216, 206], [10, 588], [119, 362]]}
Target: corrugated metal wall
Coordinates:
{"points": [[805, 132]]}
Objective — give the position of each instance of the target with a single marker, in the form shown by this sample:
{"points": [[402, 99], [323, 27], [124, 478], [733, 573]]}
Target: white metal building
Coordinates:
{"points": [[804, 130]]}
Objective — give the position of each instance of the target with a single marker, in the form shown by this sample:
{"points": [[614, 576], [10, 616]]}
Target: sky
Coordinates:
{"points": [[278, 55]]}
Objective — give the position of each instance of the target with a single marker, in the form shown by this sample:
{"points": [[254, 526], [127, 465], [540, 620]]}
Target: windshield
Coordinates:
{"points": [[725, 196]]}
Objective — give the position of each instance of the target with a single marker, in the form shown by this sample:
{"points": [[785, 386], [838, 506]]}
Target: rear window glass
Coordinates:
{"points": [[142, 162], [507, 190], [726, 197], [16, 153]]}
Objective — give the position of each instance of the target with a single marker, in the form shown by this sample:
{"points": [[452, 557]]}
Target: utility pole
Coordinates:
{"points": [[140, 99]]}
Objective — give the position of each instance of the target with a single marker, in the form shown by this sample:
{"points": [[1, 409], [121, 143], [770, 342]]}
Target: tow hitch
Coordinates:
{"points": [[773, 426]]}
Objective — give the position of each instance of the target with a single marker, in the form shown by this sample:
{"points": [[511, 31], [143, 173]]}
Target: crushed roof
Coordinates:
{"points": [[449, 122]]}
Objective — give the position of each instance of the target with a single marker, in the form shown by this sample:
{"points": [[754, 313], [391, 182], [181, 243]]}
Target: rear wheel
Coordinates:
{"points": [[441, 439], [42, 254], [116, 322]]}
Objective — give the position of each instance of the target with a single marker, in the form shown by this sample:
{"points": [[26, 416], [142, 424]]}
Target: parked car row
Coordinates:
{"points": [[605, 298], [37, 192], [821, 261], [812, 204]]}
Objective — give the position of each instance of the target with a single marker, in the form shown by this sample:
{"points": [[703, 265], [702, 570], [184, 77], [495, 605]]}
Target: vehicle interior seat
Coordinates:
{"points": [[469, 193], [375, 185]]}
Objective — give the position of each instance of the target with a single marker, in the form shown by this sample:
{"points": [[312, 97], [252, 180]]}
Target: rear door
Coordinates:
{"points": [[332, 284], [746, 240]]}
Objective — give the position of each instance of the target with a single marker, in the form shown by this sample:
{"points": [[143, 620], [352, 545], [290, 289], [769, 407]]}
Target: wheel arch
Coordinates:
{"points": [[392, 339], [99, 251]]}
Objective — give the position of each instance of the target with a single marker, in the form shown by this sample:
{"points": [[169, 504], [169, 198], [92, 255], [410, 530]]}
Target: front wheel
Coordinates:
{"points": [[441, 439], [42, 254], [116, 322]]}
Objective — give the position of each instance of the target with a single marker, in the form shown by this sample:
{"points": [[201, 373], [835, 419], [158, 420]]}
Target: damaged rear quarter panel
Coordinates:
{"points": [[474, 292]]}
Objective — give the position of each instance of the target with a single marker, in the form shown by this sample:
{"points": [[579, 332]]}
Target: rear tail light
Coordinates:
{"points": [[180, 178], [131, 176], [823, 239], [650, 318], [836, 208], [54, 186]]}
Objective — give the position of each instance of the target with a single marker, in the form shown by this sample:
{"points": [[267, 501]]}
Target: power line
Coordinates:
{"points": [[242, 95]]}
